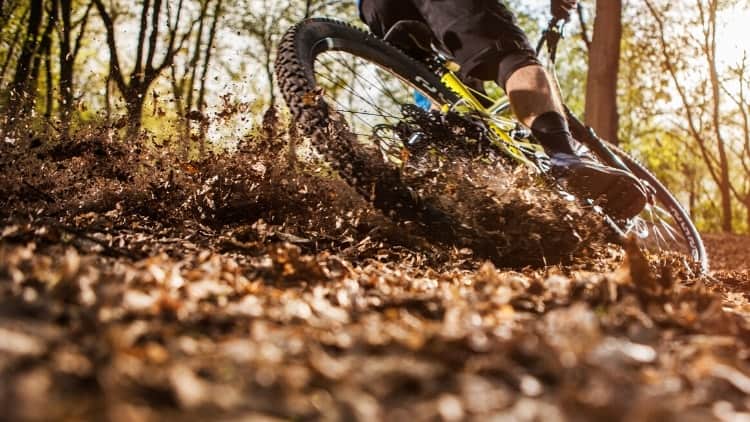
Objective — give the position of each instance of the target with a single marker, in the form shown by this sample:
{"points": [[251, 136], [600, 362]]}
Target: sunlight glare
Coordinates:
{"points": [[733, 37]]}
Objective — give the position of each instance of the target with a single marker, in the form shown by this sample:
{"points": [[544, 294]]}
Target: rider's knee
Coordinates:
{"points": [[510, 63]]}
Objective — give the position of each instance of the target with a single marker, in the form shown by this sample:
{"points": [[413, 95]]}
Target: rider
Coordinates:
{"points": [[484, 39]]}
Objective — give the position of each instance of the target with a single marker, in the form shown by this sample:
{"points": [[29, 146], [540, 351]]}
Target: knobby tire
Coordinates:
{"points": [[363, 169]]}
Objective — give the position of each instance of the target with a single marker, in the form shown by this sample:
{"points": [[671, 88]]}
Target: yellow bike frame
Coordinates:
{"points": [[500, 127]]}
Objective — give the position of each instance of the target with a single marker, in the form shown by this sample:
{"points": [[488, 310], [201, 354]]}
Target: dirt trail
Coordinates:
{"points": [[137, 287]]}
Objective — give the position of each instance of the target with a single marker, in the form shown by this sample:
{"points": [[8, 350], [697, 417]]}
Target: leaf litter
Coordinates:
{"points": [[137, 286]]}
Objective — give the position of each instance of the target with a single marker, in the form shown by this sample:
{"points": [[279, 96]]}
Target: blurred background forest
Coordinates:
{"points": [[668, 80]]}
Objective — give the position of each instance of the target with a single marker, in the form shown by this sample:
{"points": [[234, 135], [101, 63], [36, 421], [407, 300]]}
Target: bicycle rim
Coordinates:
{"points": [[663, 225]]}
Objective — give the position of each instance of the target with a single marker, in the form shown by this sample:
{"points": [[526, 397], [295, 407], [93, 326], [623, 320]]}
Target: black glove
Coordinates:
{"points": [[561, 8]]}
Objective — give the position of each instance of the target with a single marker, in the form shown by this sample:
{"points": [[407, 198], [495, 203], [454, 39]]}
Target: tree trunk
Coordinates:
{"points": [[270, 73], [108, 97], [10, 53], [66, 59], [134, 106], [196, 57], [41, 57], [49, 103], [135, 86], [604, 58], [726, 199], [725, 186], [19, 89], [193, 66], [206, 63]]}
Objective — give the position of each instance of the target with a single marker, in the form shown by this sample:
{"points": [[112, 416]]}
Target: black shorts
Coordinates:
{"points": [[481, 35]]}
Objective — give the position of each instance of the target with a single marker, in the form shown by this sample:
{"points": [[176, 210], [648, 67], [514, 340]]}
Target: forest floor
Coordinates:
{"points": [[134, 286]]}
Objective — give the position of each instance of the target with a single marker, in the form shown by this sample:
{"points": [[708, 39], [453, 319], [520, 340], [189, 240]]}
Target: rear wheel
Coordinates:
{"points": [[347, 89]]}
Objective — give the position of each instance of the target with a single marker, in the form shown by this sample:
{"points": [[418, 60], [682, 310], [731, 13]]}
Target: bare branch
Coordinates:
{"points": [[683, 95], [114, 62], [155, 14], [82, 31], [141, 37]]}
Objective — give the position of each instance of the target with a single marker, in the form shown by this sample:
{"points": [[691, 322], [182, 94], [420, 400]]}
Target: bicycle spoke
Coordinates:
{"points": [[365, 122], [347, 88], [656, 232], [370, 100], [382, 88], [343, 84], [382, 112], [669, 229], [369, 96], [365, 113]]}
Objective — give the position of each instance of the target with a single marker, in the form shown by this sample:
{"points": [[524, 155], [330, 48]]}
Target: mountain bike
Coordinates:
{"points": [[345, 86]]}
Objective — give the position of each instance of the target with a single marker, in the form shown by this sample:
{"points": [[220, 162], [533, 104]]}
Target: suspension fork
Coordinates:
{"points": [[586, 135]]}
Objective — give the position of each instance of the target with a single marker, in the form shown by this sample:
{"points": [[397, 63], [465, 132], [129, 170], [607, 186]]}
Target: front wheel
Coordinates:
{"points": [[663, 225]]}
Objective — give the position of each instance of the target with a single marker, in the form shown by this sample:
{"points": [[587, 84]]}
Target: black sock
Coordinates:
{"points": [[551, 129]]}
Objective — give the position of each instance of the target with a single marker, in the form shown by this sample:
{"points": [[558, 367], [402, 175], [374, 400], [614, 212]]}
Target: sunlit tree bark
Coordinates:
{"points": [[206, 63], [604, 56], [183, 86], [741, 74], [10, 54], [21, 97], [193, 79], [42, 57]]}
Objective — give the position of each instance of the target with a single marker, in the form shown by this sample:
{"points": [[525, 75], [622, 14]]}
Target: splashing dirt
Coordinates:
{"points": [[135, 286]]}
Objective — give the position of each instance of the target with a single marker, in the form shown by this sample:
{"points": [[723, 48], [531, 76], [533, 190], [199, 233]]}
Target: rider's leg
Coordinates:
{"points": [[537, 104], [531, 94]]}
